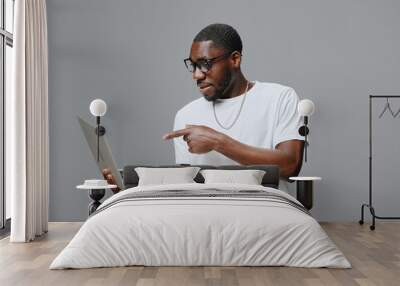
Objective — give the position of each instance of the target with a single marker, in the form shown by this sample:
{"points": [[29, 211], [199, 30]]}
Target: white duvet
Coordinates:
{"points": [[200, 231]]}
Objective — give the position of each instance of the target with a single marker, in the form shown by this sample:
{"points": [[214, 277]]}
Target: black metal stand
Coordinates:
{"points": [[304, 131], [369, 205], [96, 195]]}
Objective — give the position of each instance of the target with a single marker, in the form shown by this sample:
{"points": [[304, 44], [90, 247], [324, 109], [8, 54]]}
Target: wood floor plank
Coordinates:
{"points": [[374, 255]]}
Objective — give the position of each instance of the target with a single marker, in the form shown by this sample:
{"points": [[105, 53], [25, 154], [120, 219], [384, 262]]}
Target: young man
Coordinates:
{"points": [[237, 121]]}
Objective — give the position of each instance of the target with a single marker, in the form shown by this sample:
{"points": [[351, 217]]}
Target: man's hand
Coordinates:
{"points": [[110, 179], [200, 139]]}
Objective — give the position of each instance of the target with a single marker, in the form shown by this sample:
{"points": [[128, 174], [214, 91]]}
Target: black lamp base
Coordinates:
{"points": [[100, 130], [303, 130]]}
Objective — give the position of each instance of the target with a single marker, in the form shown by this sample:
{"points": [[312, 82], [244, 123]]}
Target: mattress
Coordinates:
{"points": [[201, 225]]}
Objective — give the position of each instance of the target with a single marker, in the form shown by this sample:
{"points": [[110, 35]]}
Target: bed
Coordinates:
{"points": [[201, 224]]}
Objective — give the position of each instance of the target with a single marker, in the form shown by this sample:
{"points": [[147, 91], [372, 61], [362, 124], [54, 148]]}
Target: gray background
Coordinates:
{"points": [[130, 53]]}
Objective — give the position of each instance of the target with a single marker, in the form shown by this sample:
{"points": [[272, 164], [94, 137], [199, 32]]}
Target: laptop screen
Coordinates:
{"points": [[106, 160]]}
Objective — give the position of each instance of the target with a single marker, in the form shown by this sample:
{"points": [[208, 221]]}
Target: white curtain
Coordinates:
{"points": [[27, 143]]}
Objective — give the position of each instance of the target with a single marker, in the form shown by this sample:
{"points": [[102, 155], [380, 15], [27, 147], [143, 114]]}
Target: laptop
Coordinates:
{"points": [[106, 159]]}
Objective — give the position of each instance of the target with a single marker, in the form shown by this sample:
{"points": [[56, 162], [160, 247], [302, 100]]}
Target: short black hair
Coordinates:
{"points": [[223, 36]]}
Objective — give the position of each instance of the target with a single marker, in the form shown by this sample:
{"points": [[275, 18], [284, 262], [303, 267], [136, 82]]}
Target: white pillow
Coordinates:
{"points": [[248, 177], [162, 176]]}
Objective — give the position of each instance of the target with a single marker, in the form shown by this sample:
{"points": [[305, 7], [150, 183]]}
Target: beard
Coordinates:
{"points": [[221, 90]]}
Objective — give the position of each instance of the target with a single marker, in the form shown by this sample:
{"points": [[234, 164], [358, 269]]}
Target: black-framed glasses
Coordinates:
{"points": [[204, 65]]}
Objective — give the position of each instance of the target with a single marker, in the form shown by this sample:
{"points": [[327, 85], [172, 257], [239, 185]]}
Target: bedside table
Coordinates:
{"points": [[304, 190], [96, 193]]}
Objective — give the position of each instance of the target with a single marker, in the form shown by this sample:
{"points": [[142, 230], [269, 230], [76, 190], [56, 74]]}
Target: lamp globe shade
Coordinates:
{"points": [[98, 107], [306, 107]]}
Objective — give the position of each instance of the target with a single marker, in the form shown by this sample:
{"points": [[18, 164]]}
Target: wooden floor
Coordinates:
{"points": [[375, 256]]}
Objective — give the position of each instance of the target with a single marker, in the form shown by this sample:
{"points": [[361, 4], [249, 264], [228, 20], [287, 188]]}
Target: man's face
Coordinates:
{"points": [[214, 83]]}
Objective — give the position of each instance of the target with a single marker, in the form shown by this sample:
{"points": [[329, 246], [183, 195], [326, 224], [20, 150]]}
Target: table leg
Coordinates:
{"points": [[304, 193], [96, 195]]}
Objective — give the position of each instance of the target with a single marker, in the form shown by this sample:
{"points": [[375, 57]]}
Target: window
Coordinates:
{"points": [[6, 60]]}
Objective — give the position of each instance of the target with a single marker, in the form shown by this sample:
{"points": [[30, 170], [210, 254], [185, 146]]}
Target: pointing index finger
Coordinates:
{"points": [[177, 133]]}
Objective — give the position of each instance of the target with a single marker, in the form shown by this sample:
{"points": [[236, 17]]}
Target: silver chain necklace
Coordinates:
{"points": [[237, 116]]}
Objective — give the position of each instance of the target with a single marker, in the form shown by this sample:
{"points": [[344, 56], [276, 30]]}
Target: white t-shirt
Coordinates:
{"points": [[269, 116]]}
